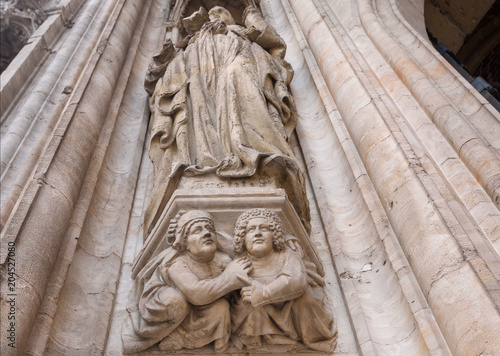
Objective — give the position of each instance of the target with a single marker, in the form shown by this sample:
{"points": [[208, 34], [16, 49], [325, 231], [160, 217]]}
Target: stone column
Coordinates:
{"points": [[434, 255], [42, 217]]}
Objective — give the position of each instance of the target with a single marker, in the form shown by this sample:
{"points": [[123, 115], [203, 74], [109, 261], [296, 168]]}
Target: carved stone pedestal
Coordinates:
{"points": [[227, 270], [225, 205]]}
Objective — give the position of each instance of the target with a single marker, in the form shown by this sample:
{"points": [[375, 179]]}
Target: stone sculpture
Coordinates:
{"points": [[221, 106], [285, 303], [221, 109], [192, 295], [178, 300]]}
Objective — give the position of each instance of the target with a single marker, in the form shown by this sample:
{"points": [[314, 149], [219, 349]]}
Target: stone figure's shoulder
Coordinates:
{"points": [[290, 256], [182, 261], [222, 259]]}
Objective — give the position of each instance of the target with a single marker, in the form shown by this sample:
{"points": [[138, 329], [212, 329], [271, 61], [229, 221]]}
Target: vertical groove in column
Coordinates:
{"points": [[18, 76], [435, 258], [470, 102], [73, 70], [39, 223], [93, 275], [390, 323], [356, 45], [25, 118], [481, 161], [470, 193]]}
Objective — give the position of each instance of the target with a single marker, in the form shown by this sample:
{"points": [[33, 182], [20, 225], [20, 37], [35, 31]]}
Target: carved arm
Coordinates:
{"points": [[290, 284], [204, 291], [269, 38]]}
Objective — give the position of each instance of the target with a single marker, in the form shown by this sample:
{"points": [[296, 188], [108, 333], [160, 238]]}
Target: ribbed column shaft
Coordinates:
{"points": [[43, 215], [432, 252], [387, 315]]}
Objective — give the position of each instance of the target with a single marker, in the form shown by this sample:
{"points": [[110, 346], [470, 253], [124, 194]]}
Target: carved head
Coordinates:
{"points": [[193, 231], [194, 22], [259, 231], [218, 13]]}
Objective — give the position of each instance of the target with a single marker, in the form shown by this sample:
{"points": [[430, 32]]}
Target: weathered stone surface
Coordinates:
{"points": [[221, 105], [187, 296], [400, 156], [225, 205]]}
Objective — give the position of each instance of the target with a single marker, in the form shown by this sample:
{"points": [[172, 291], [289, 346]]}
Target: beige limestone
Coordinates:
{"points": [[374, 154], [176, 290], [101, 247], [225, 207], [392, 140], [221, 106], [29, 126], [59, 178], [332, 182]]}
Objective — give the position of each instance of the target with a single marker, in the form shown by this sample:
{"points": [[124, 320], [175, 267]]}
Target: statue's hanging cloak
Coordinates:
{"points": [[222, 107]]}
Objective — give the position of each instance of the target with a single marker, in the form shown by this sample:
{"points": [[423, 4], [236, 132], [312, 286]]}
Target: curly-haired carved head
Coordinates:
{"points": [[258, 231]]}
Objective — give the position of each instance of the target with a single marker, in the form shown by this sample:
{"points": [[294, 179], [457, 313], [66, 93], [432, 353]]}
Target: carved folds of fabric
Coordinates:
{"points": [[222, 107], [159, 312], [288, 306]]}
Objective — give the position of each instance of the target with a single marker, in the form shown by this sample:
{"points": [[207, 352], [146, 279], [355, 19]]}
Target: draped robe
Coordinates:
{"points": [[222, 107], [179, 302], [287, 306]]}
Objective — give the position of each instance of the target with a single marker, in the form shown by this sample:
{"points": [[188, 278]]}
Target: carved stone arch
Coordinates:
{"points": [[17, 31]]}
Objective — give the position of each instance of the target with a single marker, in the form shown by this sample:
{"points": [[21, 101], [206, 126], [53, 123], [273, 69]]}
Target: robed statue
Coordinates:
{"points": [[221, 106], [221, 110]]}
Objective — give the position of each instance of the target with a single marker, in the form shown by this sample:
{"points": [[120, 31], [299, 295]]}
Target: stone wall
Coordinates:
{"points": [[403, 176]]}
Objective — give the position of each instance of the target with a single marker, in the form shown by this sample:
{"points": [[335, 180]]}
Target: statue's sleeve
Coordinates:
{"points": [[290, 283], [170, 103], [269, 38], [157, 66], [201, 291]]}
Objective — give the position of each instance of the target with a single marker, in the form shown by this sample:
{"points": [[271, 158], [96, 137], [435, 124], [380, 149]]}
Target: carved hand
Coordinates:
{"points": [[246, 294], [240, 268], [252, 33]]}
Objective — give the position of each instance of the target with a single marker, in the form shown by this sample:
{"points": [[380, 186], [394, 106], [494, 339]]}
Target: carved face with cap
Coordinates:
{"points": [[218, 13], [195, 232], [201, 241]]}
